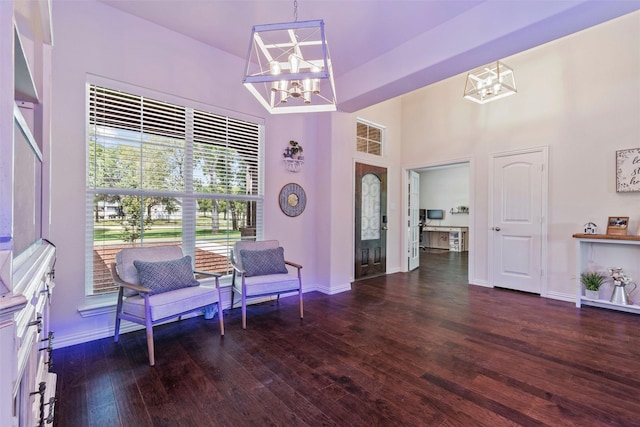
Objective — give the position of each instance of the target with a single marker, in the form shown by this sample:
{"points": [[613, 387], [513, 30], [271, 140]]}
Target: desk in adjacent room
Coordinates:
{"points": [[443, 237]]}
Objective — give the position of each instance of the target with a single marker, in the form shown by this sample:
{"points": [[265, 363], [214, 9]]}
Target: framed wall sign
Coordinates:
{"points": [[628, 170], [617, 225]]}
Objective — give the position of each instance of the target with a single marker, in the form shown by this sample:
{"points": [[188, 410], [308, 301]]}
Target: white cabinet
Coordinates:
{"points": [[26, 259], [600, 252], [27, 388]]}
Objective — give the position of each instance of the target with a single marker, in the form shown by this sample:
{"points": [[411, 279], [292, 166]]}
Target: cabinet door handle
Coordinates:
{"points": [[495, 228]]}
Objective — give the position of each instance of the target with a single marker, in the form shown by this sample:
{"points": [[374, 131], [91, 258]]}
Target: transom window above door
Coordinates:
{"points": [[369, 138]]}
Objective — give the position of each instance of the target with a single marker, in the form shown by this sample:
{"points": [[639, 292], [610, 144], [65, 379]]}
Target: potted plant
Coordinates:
{"points": [[295, 148], [592, 281]]}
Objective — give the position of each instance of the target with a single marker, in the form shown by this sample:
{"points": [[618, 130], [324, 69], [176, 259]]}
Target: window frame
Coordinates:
{"points": [[188, 194], [371, 125]]}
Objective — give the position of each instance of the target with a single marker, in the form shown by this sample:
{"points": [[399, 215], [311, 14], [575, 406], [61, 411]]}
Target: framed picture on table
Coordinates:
{"points": [[617, 225]]}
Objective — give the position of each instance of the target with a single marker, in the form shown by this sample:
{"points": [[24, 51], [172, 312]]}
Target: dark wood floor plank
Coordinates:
{"points": [[418, 348], [272, 367], [128, 399]]}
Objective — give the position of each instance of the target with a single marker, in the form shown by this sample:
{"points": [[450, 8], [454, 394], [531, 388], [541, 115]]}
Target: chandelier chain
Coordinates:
{"points": [[295, 10]]}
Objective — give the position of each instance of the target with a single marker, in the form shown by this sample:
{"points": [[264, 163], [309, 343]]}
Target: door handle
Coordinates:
{"points": [[384, 228], [495, 228]]}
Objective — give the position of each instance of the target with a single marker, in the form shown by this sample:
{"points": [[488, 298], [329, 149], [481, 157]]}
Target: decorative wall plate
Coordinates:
{"points": [[293, 199]]}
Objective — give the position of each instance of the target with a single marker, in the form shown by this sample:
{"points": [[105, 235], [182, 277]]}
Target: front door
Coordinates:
{"points": [[517, 223], [370, 221]]}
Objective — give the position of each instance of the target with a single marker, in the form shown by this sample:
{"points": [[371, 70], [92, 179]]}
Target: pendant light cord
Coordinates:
{"points": [[295, 10]]}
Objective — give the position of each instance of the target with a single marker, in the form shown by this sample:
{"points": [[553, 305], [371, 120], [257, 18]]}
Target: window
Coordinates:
{"points": [[369, 138], [163, 173]]}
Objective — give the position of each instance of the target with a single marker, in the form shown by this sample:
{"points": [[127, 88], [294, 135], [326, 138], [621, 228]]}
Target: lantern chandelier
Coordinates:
{"points": [[288, 67], [490, 82]]}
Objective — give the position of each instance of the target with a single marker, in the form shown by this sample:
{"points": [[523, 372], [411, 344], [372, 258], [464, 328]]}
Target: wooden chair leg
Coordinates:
{"points": [[301, 305], [152, 359], [233, 283], [300, 294], [243, 298], [244, 311], [116, 334], [149, 325], [220, 318]]}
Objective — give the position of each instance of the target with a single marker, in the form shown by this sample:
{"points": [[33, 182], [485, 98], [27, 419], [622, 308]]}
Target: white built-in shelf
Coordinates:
{"points": [[21, 122], [25, 86]]}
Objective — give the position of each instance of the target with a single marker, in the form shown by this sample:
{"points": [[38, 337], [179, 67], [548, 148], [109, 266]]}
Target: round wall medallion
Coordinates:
{"points": [[293, 199]]}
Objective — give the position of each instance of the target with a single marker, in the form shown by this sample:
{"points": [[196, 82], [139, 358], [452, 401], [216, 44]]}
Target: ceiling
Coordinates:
{"points": [[384, 48]]}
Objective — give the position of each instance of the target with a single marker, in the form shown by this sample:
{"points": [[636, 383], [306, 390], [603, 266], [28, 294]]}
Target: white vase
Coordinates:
{"points": [[592, 294]]}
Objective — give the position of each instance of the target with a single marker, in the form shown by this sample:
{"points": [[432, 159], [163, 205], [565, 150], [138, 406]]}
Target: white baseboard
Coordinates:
{"points": [[483, 283], [95, 334], [551, 295], [561, 296], [334, 289], [125, 327]]}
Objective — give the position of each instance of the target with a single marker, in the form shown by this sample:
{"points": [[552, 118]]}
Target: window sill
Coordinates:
{"points": [[98, 305]]}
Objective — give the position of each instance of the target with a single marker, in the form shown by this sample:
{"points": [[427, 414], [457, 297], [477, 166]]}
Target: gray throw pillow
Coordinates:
{"points": [[164, 276], [263, 262]]}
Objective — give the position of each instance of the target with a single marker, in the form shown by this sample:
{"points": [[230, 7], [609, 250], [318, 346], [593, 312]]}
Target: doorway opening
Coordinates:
{"points": [[440, 211]]}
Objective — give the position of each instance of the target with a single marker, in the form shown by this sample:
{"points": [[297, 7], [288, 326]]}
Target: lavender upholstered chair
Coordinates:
{"points": [[259, 270], [157, 283]]}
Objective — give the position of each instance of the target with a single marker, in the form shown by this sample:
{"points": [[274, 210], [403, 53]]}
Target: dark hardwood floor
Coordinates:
{"points": [[415, 349]]}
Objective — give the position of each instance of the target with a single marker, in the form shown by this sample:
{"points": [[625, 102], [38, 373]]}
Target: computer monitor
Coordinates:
{"points": [[435, 213]]}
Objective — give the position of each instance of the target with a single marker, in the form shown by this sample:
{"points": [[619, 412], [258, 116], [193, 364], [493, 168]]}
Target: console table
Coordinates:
{"points": [[599, 252]]}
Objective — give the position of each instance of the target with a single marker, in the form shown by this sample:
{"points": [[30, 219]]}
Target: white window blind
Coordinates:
{"points": [[160, 172]]}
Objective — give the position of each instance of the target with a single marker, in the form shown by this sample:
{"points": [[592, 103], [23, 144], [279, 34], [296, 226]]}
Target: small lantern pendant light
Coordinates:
{"points": [[490, 82]]}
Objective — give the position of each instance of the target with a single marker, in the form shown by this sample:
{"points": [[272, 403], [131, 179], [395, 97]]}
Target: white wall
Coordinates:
{"points": [[446, 188], [92, 38], [580, 96]]}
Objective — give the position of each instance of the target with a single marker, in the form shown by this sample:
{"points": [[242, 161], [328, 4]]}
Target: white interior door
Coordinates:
{"points": [[414, 220], [518, 194]]}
